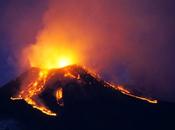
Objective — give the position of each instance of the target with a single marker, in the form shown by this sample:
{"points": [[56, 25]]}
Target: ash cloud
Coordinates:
{"points": [[125, 41], [128, 42], [19, 23]]}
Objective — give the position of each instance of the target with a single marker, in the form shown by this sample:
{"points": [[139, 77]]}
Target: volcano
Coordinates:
{"points": [[75, 98]]}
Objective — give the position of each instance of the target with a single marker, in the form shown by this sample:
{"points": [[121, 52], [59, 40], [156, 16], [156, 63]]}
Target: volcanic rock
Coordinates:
{"points": [[88, 102]]}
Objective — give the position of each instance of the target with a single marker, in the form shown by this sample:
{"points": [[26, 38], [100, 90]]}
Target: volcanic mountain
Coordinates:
{"points": [[75, 98]]}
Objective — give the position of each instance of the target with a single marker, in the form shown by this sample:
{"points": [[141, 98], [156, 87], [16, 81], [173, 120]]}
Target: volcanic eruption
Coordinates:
{"points": [[89, 65], [58, 87], [52, 68], [54, 81]]}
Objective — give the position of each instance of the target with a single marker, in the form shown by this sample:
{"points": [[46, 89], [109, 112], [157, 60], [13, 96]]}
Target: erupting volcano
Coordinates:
{"points": [[87, 65], [52, 69], [39, 81], [74, 93], [56, 86]]}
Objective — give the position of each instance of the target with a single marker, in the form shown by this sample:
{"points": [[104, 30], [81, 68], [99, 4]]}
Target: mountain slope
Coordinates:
{"points": [[85, 102]]}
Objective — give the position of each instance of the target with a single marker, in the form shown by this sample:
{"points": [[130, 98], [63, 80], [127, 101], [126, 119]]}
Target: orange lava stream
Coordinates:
{"points": [[68, 74], [127, 92], [31, 91], [59, 96]]}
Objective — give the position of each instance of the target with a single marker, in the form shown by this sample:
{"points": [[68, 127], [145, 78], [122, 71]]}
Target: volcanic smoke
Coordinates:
{"points": [[67, 38]]}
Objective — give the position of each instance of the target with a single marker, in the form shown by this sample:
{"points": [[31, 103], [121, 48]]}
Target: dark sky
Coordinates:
{"points": [[132, 41], [19, 22]]}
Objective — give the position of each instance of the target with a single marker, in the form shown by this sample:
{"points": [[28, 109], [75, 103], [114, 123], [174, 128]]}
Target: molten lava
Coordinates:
{"points": [[59, 96], [127, 92], [32, 90], [35, 85]]}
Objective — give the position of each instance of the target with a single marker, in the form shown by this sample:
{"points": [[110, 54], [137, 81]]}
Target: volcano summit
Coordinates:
{"points": [[75, 98], [41, 83]]}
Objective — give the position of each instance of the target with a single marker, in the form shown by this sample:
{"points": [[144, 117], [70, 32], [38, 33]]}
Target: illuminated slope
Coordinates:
{"points": [[53, 82]]}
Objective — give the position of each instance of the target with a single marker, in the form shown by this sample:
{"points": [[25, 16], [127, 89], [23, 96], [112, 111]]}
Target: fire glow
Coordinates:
{"points": [[127, 92], [30, 93], [48, 56]]}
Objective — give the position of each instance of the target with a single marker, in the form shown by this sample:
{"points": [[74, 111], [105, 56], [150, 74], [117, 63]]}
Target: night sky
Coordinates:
{"points": [[125, 41]]}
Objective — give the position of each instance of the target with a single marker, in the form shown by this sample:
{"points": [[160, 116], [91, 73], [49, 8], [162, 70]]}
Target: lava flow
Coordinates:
{"points": [[56, 58], [32, 90], [127, 92], [34, 85]]}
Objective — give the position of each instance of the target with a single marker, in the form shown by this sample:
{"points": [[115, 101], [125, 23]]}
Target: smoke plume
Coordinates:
{"points": [[127, 42]]}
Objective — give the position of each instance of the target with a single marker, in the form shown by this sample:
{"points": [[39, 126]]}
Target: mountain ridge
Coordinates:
{"points": [[89, 103]]}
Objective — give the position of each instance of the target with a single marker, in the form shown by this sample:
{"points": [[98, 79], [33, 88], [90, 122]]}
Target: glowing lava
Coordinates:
{"points": [[35, 84], [59, 96], [46, 57], [127, 92], [64, 62], [49, 56], [32, 90]]}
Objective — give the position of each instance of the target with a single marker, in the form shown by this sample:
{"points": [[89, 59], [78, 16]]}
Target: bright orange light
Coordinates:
{"points": [[32, 90], [127, 92], [50, 56], [59, 94], [65, 61]]}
